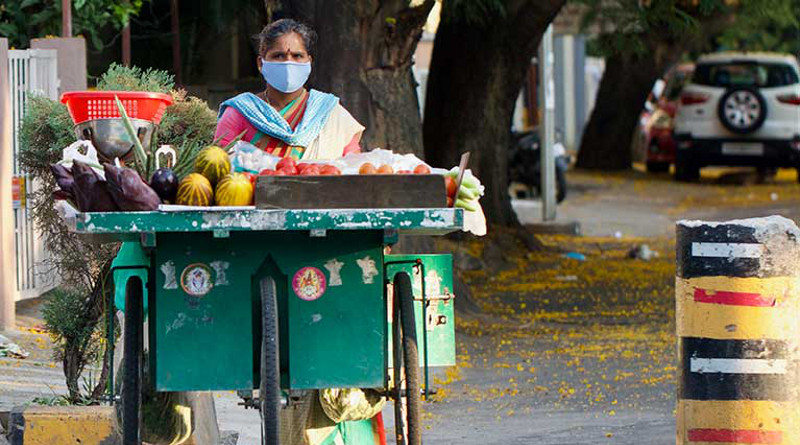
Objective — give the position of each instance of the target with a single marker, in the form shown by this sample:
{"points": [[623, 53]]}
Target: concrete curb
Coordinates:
{"points": [[85, 425], [46, 425]]}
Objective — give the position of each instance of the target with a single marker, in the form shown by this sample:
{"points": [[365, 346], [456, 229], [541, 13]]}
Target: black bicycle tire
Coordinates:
{"points": [[131, 391], [397, 366], [269, 394], [404, 295]]}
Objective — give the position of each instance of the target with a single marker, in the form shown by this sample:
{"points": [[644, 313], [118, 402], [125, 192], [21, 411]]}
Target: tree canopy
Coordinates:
{"points": [[23, 20]]}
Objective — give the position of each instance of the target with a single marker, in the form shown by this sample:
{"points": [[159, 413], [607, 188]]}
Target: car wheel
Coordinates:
{"points": [[764, 175], [657, 167], [742, 110], [685, 169]]}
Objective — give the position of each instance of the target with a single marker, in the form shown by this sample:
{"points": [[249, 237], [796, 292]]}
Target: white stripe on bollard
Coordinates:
{"points": [[727, 250], [737, 366]]}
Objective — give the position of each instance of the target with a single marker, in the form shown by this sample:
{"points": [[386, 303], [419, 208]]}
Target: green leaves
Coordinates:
{"points": [[23, 20], [749, 24], [27, 3], [777, 26], [122, 78]]}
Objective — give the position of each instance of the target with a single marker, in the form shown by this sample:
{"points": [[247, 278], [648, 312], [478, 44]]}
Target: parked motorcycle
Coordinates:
{"points": [[524, 163]]}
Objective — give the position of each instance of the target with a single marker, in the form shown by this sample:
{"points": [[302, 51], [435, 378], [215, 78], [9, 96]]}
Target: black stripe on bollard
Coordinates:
{"points": [[735, 249], [735, 370]]}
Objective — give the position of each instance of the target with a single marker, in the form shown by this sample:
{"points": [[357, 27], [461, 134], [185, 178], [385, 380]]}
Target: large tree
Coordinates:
{"points": [[364, 55], [641, 39], [482, 52]]}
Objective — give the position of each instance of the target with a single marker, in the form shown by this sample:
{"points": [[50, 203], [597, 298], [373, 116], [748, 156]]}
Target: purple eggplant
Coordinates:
{"points": [[90, 190], [129, 191], [165, 183], [64, 181]]}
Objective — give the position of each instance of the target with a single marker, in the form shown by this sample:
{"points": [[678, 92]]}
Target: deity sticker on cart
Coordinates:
{"points": [[309, 283], [196, 280]]}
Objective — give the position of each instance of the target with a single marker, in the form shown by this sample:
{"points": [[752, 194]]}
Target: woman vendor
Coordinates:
{"points": [[287, 120]]}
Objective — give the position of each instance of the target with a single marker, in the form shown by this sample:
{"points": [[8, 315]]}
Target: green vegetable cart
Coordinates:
{"points": [[280, 301]]}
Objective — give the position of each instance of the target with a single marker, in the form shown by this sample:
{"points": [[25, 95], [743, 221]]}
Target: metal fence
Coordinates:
{"points": [[32, 71]]}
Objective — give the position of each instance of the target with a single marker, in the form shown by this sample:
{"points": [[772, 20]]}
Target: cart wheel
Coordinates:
{"points": [[269, 390], [404, 333], [131, 391]]}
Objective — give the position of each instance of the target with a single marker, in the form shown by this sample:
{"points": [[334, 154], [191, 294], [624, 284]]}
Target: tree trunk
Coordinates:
{"points": [[364, 56], [477, 71], [626, 83]]}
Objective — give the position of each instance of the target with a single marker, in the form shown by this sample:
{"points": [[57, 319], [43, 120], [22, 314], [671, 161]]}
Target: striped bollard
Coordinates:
{"points": [[738, 328]]}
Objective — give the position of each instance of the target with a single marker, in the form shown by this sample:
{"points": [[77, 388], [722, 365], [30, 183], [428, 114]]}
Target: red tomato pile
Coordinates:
{"points": [[288, 167]]}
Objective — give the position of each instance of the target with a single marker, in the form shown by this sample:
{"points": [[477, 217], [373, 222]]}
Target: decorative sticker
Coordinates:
{"points": [[368, 269], [309, 283], [168, 269], [334, 267], [219, 269], [196, 280]]}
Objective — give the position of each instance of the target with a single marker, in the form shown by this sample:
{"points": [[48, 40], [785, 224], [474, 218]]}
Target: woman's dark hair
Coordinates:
{"points": [[279, 28]]}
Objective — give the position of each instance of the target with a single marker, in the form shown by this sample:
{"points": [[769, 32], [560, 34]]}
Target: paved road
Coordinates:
{"points": [[548, 374]]}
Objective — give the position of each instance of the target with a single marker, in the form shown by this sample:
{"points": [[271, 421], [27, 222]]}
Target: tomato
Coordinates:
{"points": [[310, 170], [450, 202], [367, 169], [286, 163], [403, 172], [329, 170], [450, 184], [422, 169], [267, 172], [285, 172], [385, 169]]}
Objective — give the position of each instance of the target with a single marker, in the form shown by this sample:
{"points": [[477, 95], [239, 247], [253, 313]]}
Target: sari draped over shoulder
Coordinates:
{"points": [[297, 128]]}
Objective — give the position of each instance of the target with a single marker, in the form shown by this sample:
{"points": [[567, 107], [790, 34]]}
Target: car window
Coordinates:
{"points": [[739, 74]]}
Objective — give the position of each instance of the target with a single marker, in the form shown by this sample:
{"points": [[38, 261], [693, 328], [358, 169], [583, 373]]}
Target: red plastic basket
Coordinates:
{"points": [[89, 105]]}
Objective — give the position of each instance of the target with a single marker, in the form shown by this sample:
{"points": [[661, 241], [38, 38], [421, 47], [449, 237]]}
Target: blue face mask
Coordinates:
{"points": [[287, 77]]}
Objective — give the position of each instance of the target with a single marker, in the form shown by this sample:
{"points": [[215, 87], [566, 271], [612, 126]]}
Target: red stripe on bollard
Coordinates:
{"points": [[732, 298], [736, 436]]}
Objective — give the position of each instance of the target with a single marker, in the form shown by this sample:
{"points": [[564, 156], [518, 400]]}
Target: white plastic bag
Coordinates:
{"points": [[85, 152], [350, 164], [246, 157]]}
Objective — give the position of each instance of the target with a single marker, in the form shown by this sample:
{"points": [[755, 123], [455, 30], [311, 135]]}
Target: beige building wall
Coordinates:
{"points": [[8, 275], [71, 61]]}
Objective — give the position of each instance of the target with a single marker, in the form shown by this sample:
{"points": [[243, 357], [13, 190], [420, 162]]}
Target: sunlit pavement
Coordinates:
{"points": [[567, 351], [583, 351]]}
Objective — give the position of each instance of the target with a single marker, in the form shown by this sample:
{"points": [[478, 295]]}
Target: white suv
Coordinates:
{"points": [[739, 109]]}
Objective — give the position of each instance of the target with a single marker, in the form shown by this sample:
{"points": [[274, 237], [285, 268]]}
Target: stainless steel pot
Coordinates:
{"points": [[111, 139]]}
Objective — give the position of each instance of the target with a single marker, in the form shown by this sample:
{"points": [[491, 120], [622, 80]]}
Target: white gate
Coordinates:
{"points": [[32, 71]]}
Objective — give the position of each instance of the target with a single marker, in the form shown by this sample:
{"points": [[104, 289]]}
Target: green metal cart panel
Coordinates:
{"points": [[212, 341], [328, 267], [440, 323], [125, 226]]}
